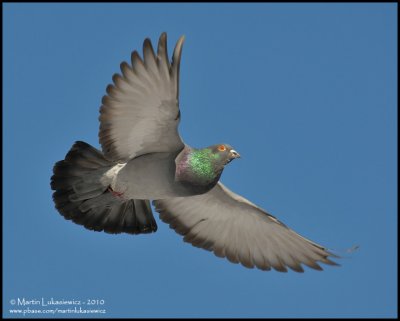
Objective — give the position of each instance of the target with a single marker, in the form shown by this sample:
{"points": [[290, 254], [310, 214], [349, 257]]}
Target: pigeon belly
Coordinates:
{"points": [[150, 176]]}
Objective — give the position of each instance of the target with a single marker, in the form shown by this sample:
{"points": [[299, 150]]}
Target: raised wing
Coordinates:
{"points": [[232, 227], [140, 113]]}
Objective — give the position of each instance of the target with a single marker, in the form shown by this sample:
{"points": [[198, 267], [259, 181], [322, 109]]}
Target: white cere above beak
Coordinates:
{"points": [[234, 153]]}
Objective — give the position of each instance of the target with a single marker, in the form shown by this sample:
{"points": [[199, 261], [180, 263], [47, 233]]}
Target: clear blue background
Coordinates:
{"points": [[306, 93]]}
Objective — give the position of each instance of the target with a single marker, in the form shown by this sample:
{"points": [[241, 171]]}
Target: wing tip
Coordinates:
{"points": [[147, 45], [163, 36], [178, 48]]}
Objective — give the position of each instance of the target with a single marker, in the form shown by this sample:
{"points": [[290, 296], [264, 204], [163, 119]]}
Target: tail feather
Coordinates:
{"points": [[141, 209], [82, 195]]}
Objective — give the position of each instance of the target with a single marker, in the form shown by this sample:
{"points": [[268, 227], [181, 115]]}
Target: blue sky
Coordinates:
{"points": [[306, 93]]}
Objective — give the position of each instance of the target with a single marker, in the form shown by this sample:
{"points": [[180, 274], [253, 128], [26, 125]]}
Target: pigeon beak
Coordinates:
{"points": [[234, 154]]}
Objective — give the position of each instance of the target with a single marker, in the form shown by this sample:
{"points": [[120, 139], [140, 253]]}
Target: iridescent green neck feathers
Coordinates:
{"points": [[202, 167], [202, 162]]}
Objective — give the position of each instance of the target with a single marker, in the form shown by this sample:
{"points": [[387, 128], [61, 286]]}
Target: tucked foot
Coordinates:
{"points": [[115, 193]]}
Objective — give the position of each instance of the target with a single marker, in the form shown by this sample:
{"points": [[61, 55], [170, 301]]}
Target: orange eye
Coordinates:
{"points": [[221, 148]]}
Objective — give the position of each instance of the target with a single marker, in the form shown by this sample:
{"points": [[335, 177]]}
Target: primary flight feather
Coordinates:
{"points": [[143, 158]]}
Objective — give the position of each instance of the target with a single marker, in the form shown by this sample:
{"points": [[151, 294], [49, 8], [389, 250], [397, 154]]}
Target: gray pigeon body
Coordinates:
{"points": [[143, 158], [154, 176]]}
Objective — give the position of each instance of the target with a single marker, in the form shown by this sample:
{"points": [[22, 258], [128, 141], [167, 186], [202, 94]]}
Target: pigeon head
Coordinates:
{"points": [[204, 166], [222, 153]]}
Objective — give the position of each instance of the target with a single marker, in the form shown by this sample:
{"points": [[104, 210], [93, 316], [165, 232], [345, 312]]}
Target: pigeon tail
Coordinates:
{"points": [[82, 194]]}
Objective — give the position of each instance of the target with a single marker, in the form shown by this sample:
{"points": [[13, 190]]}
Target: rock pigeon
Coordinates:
{"points": [[143, 158]]}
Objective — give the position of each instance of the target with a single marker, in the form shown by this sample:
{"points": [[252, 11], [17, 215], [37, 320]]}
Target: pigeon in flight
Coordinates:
{"points": [[143, 158]]}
